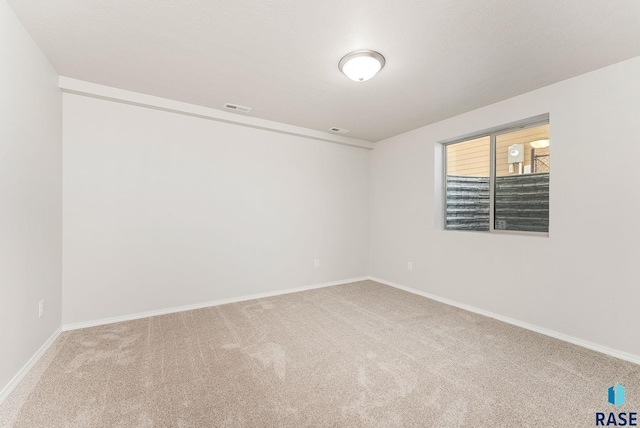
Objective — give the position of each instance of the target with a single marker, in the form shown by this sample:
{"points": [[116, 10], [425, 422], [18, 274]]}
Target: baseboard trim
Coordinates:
{"points": [[25, 369], [139, 315], [551, 333]]}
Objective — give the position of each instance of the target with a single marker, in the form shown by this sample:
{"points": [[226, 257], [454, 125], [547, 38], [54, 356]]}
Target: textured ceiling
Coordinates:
{"points": [[280, 56]]}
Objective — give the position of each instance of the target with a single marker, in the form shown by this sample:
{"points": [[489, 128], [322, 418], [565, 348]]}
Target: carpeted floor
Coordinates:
{"points": [[361, 354]]}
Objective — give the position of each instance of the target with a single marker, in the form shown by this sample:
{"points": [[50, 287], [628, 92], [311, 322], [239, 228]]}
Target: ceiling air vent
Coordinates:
{"points": [[338, 130], [236, 107]]}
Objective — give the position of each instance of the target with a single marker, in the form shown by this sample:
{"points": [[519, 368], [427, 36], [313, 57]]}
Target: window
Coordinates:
{"points": [[498, 180]]}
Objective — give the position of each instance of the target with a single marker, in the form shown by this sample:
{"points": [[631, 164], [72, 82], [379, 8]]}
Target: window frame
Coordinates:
{"points": [[492, 133]]}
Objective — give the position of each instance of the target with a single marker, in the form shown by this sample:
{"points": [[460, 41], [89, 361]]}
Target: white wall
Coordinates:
{"points": [[163, 210], [587, 286], [30, 197]]}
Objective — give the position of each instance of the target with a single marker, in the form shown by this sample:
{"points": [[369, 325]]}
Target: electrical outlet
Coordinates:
{"points": [[410, 265], [316, 263], [40, 308]]}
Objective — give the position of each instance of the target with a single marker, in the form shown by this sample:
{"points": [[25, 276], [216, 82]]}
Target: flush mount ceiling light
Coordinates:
{"points": [[539, 144], [361, 65]]}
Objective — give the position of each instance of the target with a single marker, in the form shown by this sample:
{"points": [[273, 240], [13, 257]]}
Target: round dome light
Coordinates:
{"points": [[539, 144], [361, 65]]}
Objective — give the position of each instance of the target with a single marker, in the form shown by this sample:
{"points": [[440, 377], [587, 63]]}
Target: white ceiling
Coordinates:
{"points": [[280, 57]]}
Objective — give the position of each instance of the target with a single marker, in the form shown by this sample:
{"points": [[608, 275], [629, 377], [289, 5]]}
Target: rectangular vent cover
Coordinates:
{"points": [[236, 107], [338, 130]]}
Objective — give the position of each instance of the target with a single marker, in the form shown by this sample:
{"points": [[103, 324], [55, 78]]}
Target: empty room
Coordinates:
{"points": [[319, 214]]}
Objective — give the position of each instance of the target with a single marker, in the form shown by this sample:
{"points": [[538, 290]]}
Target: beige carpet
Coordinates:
{"points": [[362, 354]]}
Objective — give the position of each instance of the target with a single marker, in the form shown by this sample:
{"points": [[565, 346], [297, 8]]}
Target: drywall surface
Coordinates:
{"points": [[30, 197], [163, 210], [582, 279]]}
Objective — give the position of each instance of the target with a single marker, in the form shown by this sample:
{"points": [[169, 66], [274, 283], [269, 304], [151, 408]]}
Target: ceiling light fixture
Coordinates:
{"points": [[361, 65], [539, 144]]}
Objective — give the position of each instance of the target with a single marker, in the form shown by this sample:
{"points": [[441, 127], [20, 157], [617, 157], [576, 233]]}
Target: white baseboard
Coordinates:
{"points": [[32, 362], [551, 333], [129, 317]]}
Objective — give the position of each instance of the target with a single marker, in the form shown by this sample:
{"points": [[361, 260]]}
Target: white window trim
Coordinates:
{"points": [[531, 122]]}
